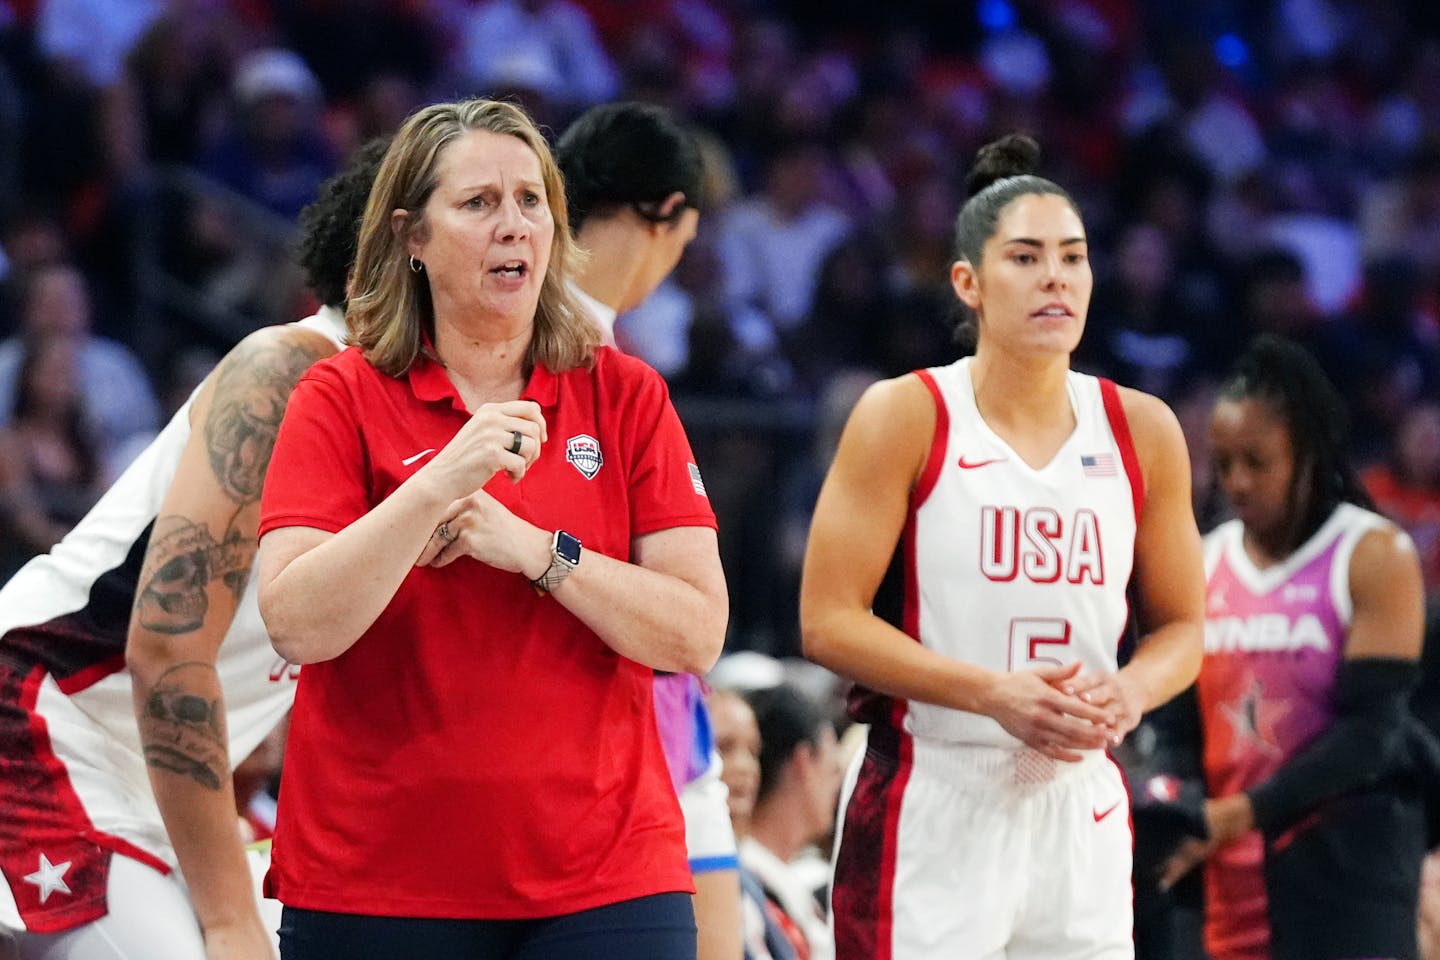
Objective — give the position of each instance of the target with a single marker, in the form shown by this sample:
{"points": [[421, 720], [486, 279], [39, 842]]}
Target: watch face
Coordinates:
{"points": [[567, 548]]}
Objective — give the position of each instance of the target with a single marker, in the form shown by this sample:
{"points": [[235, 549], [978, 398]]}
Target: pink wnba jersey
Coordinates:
{"points": [[1274, 639]]}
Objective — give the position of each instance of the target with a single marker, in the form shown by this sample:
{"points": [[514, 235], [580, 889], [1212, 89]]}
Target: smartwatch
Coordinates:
{"points": [[564, 557]]}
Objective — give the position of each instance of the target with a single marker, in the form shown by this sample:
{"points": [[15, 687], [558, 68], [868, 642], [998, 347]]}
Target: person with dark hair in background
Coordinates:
{"points": [[794, 808], [56, 305], [633, 179], [1010, 498], [1314, 622], [50, 460], [737, 739], [135, 670], [482, 531]]}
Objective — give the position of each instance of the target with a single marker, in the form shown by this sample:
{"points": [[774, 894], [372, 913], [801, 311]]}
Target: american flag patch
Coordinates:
{"points": [[695, 480], [1098, 464]]}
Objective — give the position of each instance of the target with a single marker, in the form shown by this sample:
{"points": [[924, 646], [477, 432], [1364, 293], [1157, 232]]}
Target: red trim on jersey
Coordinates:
{"points": [[1120, 428], [40, 736], [127, 849], [931, 474], [91, 675], [910, 610]]}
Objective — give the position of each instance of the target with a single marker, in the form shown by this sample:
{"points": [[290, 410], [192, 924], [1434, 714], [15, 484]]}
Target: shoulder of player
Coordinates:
{"points": [[897, 415], [904, 396], [1382, 552], [1149, 417], [273, 357], [264, 367], [1388, 592], [1154, 428]]}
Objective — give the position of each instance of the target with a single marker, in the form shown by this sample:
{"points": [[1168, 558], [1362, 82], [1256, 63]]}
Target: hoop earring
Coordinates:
{"points": [[415, 265]]}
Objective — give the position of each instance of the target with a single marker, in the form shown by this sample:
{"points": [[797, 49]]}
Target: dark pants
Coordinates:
{"points": [[659, 927]]}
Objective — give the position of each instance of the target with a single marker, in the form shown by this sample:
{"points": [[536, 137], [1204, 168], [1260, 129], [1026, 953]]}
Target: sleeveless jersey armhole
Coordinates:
{"points": [[938, 443], [1120, 428]]}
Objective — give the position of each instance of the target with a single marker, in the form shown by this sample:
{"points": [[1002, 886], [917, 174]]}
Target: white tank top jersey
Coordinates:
{"points": [[1007, 566], [65, 614]]}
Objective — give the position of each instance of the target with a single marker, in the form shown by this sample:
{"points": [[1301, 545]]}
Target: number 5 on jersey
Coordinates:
{"points": [[1035, 640]]}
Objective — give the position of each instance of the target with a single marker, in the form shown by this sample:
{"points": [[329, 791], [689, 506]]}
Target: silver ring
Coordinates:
{"points": [[444, 532], [515, 443]]}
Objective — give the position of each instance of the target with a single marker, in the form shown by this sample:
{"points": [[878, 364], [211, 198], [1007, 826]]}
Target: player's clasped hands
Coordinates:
{"points": [[1108, 692], [1033, 706]]}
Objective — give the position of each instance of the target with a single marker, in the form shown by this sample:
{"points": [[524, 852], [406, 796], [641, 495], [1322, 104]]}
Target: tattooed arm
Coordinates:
{"points": [[193, 578]]}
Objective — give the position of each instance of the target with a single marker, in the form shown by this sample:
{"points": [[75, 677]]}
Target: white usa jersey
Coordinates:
{"points": [[1007, 566], [73, 782]]}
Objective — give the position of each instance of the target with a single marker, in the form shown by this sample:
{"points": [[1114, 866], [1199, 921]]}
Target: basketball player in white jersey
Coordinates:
{"points": [[147, 611], [1013, 497]]}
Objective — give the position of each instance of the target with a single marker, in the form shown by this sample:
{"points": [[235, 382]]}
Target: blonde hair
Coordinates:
{"points": [[390, 309]]}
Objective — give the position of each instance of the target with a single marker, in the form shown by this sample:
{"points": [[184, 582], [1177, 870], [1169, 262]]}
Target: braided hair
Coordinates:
{"points": [[1286, 376]]}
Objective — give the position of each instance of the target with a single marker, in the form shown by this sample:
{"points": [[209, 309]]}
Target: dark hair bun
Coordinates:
{"points": [[1013, 155]]}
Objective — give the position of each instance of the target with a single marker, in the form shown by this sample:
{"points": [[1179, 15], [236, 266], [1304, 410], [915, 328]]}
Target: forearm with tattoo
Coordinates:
{"points": [[183, 560], [211, 542], [182, 725]]}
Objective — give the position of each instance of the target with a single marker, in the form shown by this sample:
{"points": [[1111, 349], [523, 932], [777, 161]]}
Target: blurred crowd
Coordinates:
{"points": [[1241, 167]]}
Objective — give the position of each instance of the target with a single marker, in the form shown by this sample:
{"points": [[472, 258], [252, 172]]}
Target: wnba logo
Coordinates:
{"points": [[583, 451]]}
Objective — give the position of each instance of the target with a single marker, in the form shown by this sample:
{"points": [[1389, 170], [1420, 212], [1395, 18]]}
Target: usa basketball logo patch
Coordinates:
{"points": [[584, 452]]}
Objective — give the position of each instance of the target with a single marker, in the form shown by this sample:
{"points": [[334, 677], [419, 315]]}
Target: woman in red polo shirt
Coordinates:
{"points": [[481, 532]]}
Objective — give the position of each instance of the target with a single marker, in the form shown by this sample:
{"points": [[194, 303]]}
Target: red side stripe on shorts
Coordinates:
{"points": [[1129, 820], [1120, 428], [894, 800], [863, 895]]}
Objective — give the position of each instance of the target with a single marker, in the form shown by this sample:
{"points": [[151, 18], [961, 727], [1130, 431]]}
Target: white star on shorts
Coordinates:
{"points": [[49, 878]]}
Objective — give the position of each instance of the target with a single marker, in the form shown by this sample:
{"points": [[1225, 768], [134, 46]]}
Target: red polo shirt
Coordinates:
{"points": [[479, 752]]}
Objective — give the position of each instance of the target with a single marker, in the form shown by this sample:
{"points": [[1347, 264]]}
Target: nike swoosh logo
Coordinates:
{"points": [[409, 460], [1102, 814], [964, 464]]}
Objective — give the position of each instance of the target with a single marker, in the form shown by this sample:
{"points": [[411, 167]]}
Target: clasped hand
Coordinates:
{"points": [[499, 436], [487, 444], [1058, 711]]}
